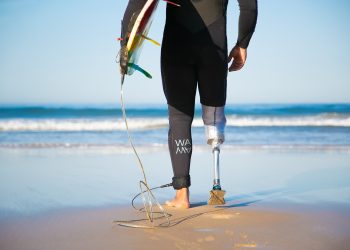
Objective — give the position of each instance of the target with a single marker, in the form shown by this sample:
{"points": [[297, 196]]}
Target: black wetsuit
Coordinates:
{"points": [[194, 52]]}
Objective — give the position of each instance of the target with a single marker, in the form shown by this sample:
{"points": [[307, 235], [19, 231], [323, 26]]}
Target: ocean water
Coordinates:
{"points": [[91, 163], [258, 125]]}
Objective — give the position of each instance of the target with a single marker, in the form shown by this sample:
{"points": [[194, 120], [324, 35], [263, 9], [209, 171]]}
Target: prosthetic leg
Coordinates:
{"points": [[214, 122]]}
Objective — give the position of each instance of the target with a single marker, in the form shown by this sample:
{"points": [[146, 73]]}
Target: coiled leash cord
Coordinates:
{"points": [[148, 198], [161, 214]]}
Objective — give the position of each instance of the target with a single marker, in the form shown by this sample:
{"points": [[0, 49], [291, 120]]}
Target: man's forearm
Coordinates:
{"points": [[247, 21]]}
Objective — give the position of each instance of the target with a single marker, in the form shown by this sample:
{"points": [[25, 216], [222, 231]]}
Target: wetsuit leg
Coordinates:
{"points": [[180, 145], [179, 74], [212, 76], [179, 84]]}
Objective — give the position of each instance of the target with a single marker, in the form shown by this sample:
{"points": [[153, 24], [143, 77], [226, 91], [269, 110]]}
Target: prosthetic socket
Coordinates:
{"points": [[214, 122]]}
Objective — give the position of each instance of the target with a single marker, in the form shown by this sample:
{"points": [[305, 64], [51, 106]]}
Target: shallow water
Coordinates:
{"points": [[45, 179]]}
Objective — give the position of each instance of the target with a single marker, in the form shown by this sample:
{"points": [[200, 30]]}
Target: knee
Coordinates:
{"points": [[185, 112], [214, 122]]}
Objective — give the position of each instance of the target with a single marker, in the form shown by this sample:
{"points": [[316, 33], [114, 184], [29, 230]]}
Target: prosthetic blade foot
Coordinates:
{"points": [[216, 197], [214, 120]]}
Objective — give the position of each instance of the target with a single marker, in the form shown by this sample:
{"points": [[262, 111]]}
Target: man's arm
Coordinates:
{"points": [[246, 26]]}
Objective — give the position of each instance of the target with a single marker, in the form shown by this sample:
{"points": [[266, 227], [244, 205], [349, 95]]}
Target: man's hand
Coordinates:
{"points": [[239, 56], [123, 60]]}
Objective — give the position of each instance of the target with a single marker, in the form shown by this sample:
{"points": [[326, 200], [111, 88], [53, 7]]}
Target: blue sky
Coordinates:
{"points": [[63, 52]]}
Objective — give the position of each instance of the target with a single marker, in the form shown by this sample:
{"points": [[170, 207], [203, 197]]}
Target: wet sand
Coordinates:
{"points": [[234, 226], [68, 199]]}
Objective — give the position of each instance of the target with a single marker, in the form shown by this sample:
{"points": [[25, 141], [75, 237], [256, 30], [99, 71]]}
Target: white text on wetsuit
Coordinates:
{"points": [[183, 146]]}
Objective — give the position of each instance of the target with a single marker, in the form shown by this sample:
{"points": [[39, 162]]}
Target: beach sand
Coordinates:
{"points": [[204, 227], [275, 200]]}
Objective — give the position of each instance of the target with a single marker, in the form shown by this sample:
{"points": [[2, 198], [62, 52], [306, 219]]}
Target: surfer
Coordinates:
{"points": [[194, 53]]}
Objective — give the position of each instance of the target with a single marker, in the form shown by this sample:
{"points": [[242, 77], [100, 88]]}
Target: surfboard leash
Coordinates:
{"points": [[148, 198]]}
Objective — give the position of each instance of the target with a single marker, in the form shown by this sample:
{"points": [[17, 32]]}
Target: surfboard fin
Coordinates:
{"points": [[151, 40], [138, 68]]}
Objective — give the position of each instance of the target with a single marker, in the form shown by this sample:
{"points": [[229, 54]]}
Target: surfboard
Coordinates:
{"points": [[137, 36]]}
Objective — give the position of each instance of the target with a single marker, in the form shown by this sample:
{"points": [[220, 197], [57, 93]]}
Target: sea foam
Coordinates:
{"points": [[139, 123]]}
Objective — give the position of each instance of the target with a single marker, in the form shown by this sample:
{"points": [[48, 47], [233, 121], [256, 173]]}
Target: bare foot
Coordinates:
{"points": [[181, 199]]}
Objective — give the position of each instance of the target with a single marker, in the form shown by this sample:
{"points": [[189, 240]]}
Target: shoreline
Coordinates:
{"points": [[198, 148]]}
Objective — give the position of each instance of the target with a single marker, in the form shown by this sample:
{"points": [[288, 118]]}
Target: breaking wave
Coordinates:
{"points": [[110, 124]]}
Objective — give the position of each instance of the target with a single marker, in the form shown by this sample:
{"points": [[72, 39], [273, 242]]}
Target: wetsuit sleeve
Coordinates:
{"points": [[132, 10], [247, 21]]}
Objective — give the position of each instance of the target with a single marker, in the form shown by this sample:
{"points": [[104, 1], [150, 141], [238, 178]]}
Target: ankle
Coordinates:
{"points": [[182, 193]]}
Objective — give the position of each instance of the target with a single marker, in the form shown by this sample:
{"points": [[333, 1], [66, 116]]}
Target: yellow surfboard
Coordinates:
{"points": [[138, 34]]}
